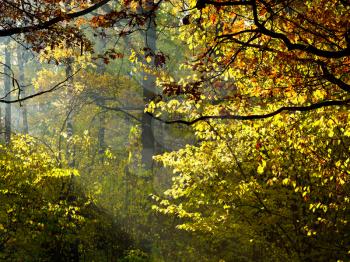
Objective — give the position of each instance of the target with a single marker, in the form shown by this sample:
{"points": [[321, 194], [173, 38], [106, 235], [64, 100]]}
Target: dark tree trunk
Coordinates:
{"points": [[7, 91], [1, 127], [149, 91], [24, 111], [74, 255], [69, 123], [101, 102], [101, 133]]}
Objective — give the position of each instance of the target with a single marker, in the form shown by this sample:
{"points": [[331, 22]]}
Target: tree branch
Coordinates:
{"points": [[119, 109], [331, 78], [291, 109], [228, 3], [291, 46], [55, 87], [51, 22]]}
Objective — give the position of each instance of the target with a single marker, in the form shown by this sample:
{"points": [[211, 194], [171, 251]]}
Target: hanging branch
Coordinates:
{"points": [[51, 22], [290, 109]]}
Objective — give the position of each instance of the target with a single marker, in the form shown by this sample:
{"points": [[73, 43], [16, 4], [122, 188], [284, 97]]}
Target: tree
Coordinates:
{"points": [[284, 52], [44, 24], [105, 182], [37, 222], [30, 15], [264, 96], [7, 90], [149, 86], [22, 59]]}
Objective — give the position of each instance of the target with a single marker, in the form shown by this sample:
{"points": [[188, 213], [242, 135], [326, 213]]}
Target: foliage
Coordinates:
{"points": [[271, 184], [135, 256], [41, 218], [264, 87], [275, 189], [34, 217]]}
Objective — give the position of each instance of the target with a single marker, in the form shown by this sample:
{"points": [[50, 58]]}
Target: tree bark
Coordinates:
{"points": [[7, 92], [69, 123], [101, 102], [1, 127], [24, 111], [101, 133], [149, 91], [71, 196]]}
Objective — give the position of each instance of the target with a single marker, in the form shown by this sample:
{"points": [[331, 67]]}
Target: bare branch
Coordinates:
{"points": [[55, 87]]}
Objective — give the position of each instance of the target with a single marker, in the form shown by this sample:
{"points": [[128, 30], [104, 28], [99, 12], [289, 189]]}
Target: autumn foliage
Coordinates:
{"points": [[261, 86]]}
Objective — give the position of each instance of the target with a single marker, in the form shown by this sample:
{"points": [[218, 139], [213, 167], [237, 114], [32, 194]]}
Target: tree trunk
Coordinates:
{"points": [[101, 133], [149, 91], [101, 102], [74, 255], [7, 89], [24, 111], [69, 123], [1, 127]]}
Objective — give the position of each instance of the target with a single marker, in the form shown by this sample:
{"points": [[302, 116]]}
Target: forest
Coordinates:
{"points": [[174, 130]]}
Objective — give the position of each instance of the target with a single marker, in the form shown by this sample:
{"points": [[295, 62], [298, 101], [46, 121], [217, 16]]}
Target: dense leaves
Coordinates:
{"points": [[278, 186], [263, 87]]}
